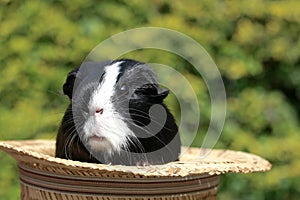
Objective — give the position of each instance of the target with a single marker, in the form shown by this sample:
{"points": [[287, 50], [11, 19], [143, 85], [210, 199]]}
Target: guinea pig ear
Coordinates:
{"points": [[151, 92], [162, 93], [68, 85]]}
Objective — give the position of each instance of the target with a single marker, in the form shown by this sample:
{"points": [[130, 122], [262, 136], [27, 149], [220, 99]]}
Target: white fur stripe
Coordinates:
{"points": [[106, 89], [109, 124]]}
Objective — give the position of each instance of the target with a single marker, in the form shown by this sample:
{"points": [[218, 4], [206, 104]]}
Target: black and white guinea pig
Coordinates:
{"points": [[117, 116]]}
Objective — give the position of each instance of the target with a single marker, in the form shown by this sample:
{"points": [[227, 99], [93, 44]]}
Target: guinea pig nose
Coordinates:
{"points": [[99, 111]]}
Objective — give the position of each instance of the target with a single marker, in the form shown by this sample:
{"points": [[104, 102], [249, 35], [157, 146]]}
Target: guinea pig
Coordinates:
{"points": [[117, 116]]}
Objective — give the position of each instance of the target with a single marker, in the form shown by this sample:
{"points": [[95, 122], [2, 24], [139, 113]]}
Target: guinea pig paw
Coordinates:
{"points": [[143, 163]]}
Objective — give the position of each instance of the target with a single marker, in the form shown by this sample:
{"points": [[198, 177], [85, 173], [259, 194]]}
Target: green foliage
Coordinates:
{"points": [[255, 44]]}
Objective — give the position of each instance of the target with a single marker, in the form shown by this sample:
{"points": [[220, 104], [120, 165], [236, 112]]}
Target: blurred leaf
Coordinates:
{"points": [[255, 45]]}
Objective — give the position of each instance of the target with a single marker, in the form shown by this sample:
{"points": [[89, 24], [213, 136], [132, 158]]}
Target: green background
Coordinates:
{"points": [[255, 44]]}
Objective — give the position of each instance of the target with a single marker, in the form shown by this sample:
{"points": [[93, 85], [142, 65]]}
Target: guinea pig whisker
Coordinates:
{"points": [[151, 134], [128, 155], [147, 131], [57, 93], [130, 121], [138, 110], [145, 117], [140, 152], [68, 121], [72, 128], [69, 141], [58, 113], [120, 97], [131, 137], [152, 120], [134, 141], [134, 109]]}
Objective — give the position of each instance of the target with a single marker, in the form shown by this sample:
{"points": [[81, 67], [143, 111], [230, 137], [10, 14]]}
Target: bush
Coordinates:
{"points": [[255, 44]]}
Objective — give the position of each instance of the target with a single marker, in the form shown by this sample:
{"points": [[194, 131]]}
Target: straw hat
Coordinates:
{"points": [[43, 176]]}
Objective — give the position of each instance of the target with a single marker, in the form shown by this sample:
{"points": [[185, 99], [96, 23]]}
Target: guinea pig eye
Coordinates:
{"points": [[123, 87]]}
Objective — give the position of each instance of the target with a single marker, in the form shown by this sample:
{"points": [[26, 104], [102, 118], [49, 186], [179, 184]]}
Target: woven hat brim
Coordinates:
{"points": [[40, 153]]}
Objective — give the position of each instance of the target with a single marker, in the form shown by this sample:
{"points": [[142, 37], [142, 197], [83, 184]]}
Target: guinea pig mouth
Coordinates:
{"points": [[99, 143], [98, 138]]}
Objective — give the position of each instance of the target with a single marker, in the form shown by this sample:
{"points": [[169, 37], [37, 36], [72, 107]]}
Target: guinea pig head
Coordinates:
{"points": [[105, 109]]}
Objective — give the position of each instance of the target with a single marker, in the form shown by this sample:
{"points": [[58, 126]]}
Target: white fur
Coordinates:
{"points": [[109, 124]]}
